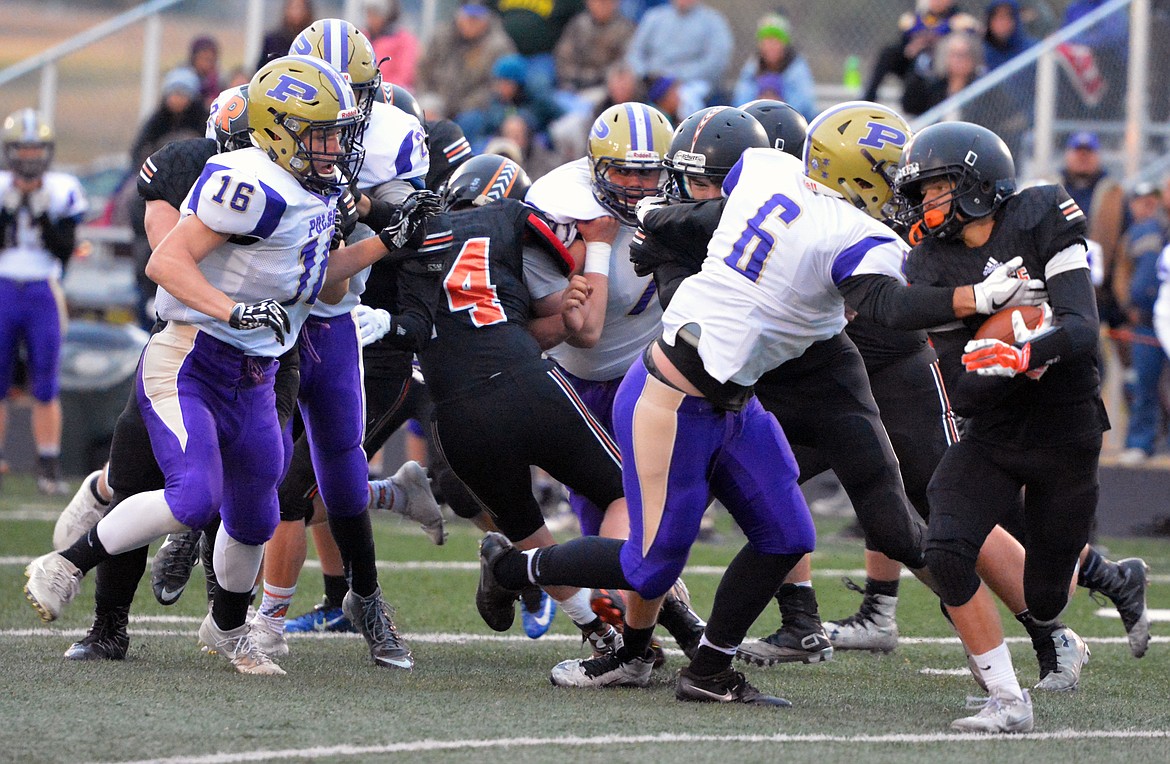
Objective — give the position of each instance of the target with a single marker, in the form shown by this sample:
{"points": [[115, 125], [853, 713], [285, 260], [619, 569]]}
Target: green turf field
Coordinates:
{"points": [[475, 695]]}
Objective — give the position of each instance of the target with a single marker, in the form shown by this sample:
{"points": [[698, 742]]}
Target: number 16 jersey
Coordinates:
{"points": [[278, 246], [768, 288]]}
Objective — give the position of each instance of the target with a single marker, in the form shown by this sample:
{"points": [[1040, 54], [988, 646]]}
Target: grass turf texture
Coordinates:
{"points": [[472, 690]]}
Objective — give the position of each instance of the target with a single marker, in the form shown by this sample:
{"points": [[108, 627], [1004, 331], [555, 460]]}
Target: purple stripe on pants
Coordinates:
{"points": [[28, 312], [211, 414], [677, 450], [333, 407]]}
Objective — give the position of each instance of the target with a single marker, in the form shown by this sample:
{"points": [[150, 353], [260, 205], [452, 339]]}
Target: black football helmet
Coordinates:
{"points": [[485, 179], [975, 159], [709, 143], [786, 127]]}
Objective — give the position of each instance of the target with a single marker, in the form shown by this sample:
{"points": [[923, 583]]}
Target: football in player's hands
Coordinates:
{"points": [[999, 326], [1004, 289]]}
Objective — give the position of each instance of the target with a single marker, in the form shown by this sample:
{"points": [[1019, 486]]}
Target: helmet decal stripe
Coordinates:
{"points": [[648, 125], [633, 127]]}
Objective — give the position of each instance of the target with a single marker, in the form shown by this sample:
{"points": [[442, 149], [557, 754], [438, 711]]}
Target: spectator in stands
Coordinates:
{"points": [[777, 70], [664, 94], [958, 62], [535, 29], [621, 86], [590, 43], [395, 47], [919, 33], [204, 61], [687, 40], [1004, 38], [510, 96], [297, 15], [180, 114], [1102, 200], [455, 72], [1142, 245]]}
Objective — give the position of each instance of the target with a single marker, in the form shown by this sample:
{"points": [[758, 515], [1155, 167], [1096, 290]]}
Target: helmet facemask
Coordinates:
{"points": [[313, 149], [28, 160]]}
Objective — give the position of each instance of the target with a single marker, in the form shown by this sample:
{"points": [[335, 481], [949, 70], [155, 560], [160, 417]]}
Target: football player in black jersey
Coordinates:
{"points": [[1033, 409], [500, 406]]}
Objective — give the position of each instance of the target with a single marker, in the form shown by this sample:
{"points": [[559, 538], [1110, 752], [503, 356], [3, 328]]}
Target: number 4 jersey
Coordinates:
{"points": [[768, 288], [278, 246]]}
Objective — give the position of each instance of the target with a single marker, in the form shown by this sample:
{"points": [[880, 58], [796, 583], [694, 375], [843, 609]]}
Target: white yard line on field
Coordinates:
{"points": [[594, 742]]}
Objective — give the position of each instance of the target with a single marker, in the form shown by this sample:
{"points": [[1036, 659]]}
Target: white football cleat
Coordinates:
{"points": [[81, 513], [52, 584], [238, 647], [1000, 713], [415, 500]]}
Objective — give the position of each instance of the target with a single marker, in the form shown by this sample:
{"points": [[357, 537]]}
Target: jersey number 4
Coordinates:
{"points": [[755, 244], [468, 285]]}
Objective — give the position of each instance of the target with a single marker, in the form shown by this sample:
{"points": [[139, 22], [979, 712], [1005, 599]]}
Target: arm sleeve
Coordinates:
{"points": [[1075, 320], [667, 278], [891, 303], [419, 282], [59, 237]]}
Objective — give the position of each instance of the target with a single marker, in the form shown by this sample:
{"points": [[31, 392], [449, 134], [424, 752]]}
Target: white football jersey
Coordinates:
{"points": [[281, 248], [633, 314], [396, 147], [768, 288], [27, 259]]}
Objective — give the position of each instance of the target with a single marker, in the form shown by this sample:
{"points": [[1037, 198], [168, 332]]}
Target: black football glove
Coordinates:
{"points": [[257, 315], [409, 217], [347, 217]]}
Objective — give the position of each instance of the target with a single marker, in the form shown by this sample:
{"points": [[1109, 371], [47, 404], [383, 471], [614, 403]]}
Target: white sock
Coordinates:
{"points": [[236, 564], [384, 494], [704, 642], [577, 607], [137, 521], [995, 666], [274, 604]]}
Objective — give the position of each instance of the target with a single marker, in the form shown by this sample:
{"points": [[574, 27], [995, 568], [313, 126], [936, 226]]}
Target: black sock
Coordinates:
{"points": [[708, 661], [595, 625], [635, 642], [117, 578], [748, 585], [588, 561], [1090, 576], [87, 552], [49, 467], [884, 588], [355, 540], [230, 609], [1036, 630], [336, 587]]}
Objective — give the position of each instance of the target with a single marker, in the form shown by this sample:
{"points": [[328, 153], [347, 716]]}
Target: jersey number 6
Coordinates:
{"points": [[755, 244]]}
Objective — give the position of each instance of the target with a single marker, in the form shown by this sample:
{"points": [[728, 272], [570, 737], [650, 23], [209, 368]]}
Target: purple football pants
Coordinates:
{"points": [[677, 451]]}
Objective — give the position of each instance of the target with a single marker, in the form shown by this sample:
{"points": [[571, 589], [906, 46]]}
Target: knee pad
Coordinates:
{"points": [[953, 568]]}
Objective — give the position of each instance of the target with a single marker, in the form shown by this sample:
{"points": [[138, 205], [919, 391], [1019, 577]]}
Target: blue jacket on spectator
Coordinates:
{"points": [[996, 51], [1144, 243]]}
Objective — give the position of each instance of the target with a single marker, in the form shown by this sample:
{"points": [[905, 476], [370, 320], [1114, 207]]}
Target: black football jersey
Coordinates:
{"points": [[169, 173], [482, 317], [1064, 404]]}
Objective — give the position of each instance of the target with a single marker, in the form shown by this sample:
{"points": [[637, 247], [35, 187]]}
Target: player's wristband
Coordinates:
{"points": [[597, 255]]}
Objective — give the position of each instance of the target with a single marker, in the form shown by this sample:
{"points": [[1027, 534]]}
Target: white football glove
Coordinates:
{"points": [[1024, 334], [10, 201], [1003, 290], [649, 203], [373, 323]]}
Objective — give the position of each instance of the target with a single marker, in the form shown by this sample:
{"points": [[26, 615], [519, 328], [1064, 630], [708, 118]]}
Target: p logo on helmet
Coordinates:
{"points": [[289, 87], [882, 135]]}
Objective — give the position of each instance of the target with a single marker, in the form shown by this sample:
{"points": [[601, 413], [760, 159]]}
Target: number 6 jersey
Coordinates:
{"points": [[768, 288], [279, 245]]}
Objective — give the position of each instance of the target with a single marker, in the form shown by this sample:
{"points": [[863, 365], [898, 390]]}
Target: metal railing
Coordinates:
{"points": [[46, 62], [1045, 125]]}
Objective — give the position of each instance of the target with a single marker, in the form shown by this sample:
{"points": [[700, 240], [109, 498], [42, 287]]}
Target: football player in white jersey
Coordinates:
{"points": [[39, 213], [595, 197], [237, 277], [793, 238], [329, 459]]}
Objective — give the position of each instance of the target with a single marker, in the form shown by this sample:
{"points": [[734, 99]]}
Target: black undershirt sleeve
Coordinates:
{"points": [[1074, 309], [889, 302], [59, 237]]}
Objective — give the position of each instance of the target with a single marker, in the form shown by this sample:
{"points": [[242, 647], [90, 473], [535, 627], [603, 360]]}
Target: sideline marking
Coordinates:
{"points": [[605, 740]]}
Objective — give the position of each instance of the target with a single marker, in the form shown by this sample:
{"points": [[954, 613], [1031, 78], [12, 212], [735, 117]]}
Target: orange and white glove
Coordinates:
{"points": [[996, 358], [1024, 334]]}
